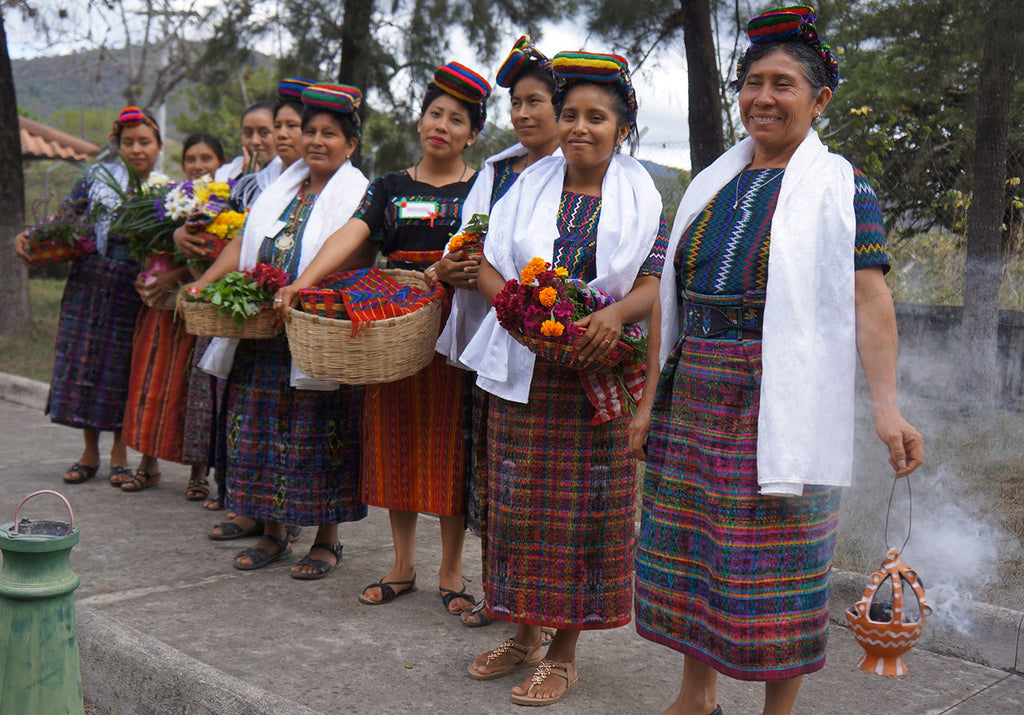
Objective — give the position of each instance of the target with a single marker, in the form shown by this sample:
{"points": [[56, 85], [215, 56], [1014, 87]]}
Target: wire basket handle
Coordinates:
{"points": [[71, 514], [910, 512]]}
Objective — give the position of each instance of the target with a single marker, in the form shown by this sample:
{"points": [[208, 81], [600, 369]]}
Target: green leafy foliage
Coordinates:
{"points": [[236, 295]]}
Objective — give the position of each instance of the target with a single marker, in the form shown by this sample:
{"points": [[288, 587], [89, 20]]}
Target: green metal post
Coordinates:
{"points": [[39, 666]]}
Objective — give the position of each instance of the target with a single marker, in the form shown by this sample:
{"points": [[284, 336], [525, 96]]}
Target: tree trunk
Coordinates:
{"points": [[15, 315], [978, 377], [705, 102], [355, 54]]}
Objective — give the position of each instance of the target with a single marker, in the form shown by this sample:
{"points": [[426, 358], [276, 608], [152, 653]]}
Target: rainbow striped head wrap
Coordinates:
{"points": [[290, 89], [524, 54], [571, 67], [130, 117], [464, 84], [795, 22], [337, 98]]}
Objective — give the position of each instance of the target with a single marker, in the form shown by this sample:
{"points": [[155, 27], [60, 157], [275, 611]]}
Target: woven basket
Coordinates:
{"points": [[560, 350], [50, 253], [384, 351], [205, 320]]}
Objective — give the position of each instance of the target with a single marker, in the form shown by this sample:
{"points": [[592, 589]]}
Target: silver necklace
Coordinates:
{"points": [[737, 197]]}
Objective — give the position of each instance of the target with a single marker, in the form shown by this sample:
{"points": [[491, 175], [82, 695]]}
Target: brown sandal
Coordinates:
{"points": [[197, 489], [528, 657], [564, 670], [141, 480]]}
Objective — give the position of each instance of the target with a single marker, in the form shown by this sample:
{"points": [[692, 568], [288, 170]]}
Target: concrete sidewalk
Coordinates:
{"points": [[166, 625]]}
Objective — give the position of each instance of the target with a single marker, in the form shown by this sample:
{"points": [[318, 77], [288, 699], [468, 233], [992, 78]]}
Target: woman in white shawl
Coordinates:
{"points": [[772, 284], [561, 489], [527, 74], [292, 449]]}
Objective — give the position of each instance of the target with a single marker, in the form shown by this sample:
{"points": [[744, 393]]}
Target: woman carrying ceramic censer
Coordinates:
{"points": [[561, 484], [773, 284]]}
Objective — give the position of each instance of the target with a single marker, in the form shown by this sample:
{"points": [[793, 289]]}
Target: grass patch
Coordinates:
{"points": [[32, 356]]}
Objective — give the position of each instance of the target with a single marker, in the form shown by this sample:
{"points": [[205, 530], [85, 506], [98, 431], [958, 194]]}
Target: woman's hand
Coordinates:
{"points": [[905, 444], [456, 269], [187, 241], [638, 429], [603, 329], [20, 244], [155, 287], [287, 297]]}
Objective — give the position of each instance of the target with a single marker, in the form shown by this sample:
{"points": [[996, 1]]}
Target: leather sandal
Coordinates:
{"points": [[388, 594], [525, 657], [448, 595], [229, 531], [81, 473], [119, 475], [321, 569], [197, 489], [260, 557], [547, 668], [141, 480], [477, 617]]}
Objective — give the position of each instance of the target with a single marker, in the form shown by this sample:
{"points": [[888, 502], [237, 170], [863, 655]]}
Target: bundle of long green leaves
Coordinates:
{"points": [[140, 216]]}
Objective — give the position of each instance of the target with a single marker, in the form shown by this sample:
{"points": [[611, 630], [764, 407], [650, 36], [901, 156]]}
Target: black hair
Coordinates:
{"points": [[476, 118], [538, 72], [256, 107], [118, 127], [203, 138], [282, 103], [348, 126], [815, 70], [614, 91]]}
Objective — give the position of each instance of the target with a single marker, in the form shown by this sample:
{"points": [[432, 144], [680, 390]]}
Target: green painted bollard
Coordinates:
{"points": [[39, 667]]}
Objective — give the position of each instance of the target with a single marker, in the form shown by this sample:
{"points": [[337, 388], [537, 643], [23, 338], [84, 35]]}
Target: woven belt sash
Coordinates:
{"points": [[723, 317]]}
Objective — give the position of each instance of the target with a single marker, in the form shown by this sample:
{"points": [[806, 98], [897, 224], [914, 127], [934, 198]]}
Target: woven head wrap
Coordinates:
{"points": [[290, 89], [464, 84], [524, 54], [795, 22], [337, 98], [570, 67], [130, 117]]}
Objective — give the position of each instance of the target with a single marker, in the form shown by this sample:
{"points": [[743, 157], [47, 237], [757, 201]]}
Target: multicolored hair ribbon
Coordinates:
{"points": [[524, 54], [572, 67], [130, 117], [290, 88], [338, 98], [795, 22], [464, 84]]}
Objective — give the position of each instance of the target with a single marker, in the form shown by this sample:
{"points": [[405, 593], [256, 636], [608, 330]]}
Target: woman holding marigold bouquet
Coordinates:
{"points": [[291, 453], [561, 482], [99, 307]]}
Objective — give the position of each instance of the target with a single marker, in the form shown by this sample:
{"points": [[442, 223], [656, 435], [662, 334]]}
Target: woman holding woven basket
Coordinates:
{"points": [[291, 452], [99, 307], [414, 451], [526, 73], [561, 484], [774, 285]]}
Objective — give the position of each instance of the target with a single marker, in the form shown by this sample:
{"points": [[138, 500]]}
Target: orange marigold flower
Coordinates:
{"points": [[547, 297], [551, 328], [456, 242], [561, 272]]}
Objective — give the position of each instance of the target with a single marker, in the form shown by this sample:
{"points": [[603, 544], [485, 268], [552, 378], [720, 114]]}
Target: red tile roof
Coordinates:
{"points": [[39, 141]]}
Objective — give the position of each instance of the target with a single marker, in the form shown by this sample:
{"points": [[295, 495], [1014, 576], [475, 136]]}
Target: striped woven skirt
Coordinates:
{"points": [[290, 455], [205, 397], [154, 417], [89, 387], [560, 509], [414, 441], [733, 578], [476, 485]]}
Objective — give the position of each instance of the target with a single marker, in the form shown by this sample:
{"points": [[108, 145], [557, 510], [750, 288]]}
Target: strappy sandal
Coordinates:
{"points": [[260, 557], [527, 657], [119, 475], [448, 595], [478, 615], [321, 569], [547, 668], [197, 489], [388, 594], [141, 480], [81, 472], [229, 531]]}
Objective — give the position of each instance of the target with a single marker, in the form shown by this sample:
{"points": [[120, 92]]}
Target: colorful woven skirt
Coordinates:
{"points": [[205, 400], [560, 510], [414, 446], [291, 455], [730, 577], [154, 418], [476, 437], [94, 344]]}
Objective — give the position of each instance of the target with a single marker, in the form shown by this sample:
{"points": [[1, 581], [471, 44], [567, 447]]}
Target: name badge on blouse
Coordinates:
{"points": [[276, 228], [282, 241], [417, 209]]}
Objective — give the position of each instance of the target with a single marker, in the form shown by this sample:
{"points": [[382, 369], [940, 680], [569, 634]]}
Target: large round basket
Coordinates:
{"points": [[384, 351], [205, 320], [560, 350]]}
